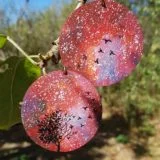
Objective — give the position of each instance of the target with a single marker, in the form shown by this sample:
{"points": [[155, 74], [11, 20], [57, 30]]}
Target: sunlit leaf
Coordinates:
{"points": [[3, 40]]}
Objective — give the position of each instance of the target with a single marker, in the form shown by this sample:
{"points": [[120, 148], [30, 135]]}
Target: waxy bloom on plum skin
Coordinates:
{"points": [[61, 112], [103, 43]]}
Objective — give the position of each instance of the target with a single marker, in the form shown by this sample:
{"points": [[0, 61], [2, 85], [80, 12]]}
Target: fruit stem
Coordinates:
{"points": [[53, 52], [21, 50], [34, 56], [65, 71], [104, 3], [80, 3], [43, 71]]}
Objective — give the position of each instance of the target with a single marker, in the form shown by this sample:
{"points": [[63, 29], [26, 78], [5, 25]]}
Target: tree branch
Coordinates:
{"points": [[21, 50], [53, 52]]}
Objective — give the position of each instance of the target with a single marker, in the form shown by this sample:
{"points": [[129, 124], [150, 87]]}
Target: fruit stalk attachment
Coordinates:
{"points": [[53, 52], [104, 3], [21, 50]]}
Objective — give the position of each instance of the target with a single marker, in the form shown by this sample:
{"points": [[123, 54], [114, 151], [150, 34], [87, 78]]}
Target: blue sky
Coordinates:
{"points": [[33, 4], [13, 6]]}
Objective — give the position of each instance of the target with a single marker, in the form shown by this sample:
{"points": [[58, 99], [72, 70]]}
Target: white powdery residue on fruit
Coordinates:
{"points": [[68, 30], [34, 96], [27, 115], [88, 29], [68, 36], [57, 93], [65, 47], [71, 46], [82, 20], [97, 32], [75, 64], [87, 14], [99, 12], [78, 19], [79, 35], [94, 68], [130, 12], [136, 39], [44, 94], [86, 137], [124, 31], [61, 95], [101, 16], [92, 35], [92, 20], [79, 27], [38, 85], [71, 60], [51, 85]]}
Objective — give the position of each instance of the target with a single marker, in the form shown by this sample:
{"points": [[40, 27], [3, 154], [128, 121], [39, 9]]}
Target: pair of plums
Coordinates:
{"points": [[99, 45]]}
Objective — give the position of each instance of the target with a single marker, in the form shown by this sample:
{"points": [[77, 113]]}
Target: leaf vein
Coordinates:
{"points": [[11, 89]]}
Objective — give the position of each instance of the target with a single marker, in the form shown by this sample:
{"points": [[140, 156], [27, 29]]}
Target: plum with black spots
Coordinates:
{"points": [[103, 43], [60, 113]]}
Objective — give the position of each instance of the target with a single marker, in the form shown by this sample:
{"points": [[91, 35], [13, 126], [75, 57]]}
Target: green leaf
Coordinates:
{"points": [[17, 76], [122, 138], [3, 40]]}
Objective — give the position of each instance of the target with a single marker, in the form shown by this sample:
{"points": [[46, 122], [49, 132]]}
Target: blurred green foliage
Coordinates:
{"points": [[3, 40], [137, 96], [21, 157], [122, 139]]}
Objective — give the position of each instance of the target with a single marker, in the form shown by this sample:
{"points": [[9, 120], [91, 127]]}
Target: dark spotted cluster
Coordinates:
{"points": [[55, 127]]}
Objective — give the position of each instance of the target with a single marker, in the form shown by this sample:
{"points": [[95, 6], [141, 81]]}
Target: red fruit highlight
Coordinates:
{"points": [[61, 112], [103, 43]]}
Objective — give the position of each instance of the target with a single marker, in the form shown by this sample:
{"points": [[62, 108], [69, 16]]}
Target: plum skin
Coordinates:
{"points": [[60, 113], [84, 35]]}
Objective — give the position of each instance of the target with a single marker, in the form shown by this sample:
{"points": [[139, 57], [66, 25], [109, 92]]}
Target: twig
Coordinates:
{"points": [[34, 56], [21, 50], [44, 71], [80, 3], [53, 52], [65, 71]]}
